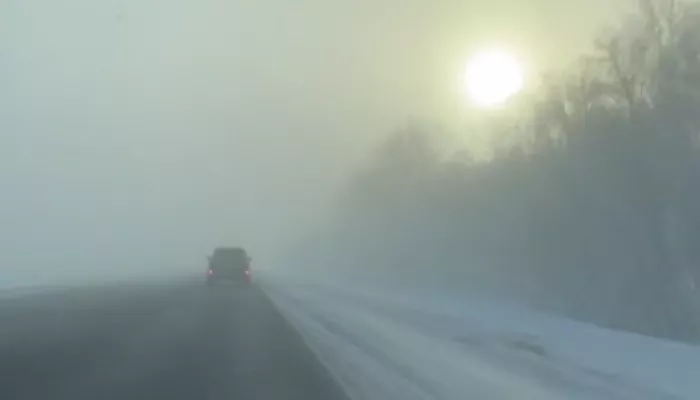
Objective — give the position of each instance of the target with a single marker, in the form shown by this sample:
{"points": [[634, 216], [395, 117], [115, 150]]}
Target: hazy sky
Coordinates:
{"points": [[137, 134]]}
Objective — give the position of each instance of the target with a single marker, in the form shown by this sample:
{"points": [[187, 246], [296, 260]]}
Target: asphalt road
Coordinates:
{"points": [[179, 341]]}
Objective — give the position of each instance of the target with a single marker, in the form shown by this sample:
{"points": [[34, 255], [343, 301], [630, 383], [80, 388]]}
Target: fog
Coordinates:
{"points": [[137, 135], [586, 204]]}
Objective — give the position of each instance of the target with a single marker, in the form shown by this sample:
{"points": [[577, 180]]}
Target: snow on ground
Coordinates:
{"points": [[398, 345]]}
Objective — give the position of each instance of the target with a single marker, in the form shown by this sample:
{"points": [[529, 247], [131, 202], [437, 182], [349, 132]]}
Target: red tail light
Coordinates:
{"points": [[210, 272]]}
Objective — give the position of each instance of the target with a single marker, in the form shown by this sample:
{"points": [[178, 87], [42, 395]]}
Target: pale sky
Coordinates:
{"points": [[137, 134]]}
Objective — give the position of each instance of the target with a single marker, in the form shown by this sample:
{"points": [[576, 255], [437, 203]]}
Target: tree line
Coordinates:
{"points": [[591, 208]]}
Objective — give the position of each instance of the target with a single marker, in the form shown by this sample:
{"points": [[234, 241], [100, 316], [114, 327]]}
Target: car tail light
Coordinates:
{"points": [[210, 272]]}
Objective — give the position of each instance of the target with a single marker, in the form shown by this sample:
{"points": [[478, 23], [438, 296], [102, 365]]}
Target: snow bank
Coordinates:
{"points": [[401, 345]]}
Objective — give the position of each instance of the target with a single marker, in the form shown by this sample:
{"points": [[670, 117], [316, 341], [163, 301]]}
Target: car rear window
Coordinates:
{"points": [[232, 258]]}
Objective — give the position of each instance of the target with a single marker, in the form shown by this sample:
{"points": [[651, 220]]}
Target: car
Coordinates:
{"points": [[229, 265]]}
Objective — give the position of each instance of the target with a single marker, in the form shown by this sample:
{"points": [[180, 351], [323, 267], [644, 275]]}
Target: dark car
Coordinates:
{"points": [[229, 265]]}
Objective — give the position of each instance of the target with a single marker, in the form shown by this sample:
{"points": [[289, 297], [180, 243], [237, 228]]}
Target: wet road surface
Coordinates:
{"points": [[154, 341]]}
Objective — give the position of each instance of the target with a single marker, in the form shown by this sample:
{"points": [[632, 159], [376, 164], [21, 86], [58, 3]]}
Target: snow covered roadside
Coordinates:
{"points": [[397, 345]]}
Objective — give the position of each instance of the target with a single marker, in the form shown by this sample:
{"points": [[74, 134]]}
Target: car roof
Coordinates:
{"points": [[229, 250]]}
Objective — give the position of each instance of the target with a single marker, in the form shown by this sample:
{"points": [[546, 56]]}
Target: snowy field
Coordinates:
{"points": [[394, 344]]}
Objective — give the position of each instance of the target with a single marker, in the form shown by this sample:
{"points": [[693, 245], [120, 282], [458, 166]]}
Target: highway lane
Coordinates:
{"points": [[179, 341]]}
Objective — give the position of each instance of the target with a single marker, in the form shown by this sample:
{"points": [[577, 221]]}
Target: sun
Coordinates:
{"points": [[491, 77]]}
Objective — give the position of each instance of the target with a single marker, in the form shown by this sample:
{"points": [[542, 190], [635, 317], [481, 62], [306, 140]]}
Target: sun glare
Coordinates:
{"points": [[492, 77]]}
